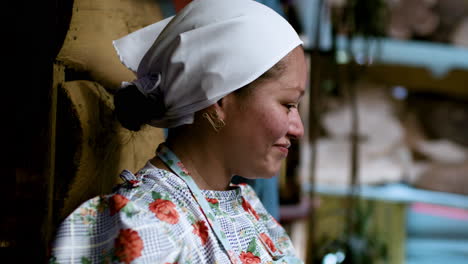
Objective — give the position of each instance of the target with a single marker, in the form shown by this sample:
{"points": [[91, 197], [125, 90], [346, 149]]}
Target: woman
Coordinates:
{"points": [[225, 76]]}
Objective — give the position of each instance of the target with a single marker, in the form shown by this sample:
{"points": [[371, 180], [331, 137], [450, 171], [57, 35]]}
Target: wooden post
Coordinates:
{"points": [[314, 129], [49, 168]]}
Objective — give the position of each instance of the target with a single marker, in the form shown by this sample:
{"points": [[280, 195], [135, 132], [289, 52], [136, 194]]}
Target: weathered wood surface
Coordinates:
{"points": [[94, 25], [92, 147]]}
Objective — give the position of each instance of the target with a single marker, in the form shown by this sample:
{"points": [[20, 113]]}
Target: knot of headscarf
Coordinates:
{"points": [[208, 50], [148, 85]]}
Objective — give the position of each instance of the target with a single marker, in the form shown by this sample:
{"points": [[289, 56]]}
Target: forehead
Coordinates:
{"points": [[290, 77]]}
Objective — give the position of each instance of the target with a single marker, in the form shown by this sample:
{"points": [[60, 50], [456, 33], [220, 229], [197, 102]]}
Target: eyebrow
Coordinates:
{"points": [[296, 89]]}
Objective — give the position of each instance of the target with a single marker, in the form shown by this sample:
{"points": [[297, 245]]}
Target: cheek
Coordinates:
{"points": [[274, 122]]}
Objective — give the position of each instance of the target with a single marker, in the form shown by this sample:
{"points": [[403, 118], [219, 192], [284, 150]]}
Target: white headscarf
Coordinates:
{"points": [[209, 49]]}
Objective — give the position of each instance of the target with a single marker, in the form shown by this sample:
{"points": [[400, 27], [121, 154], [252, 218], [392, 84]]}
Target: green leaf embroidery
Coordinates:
{"points": [[210, 216], [191, 218], [156, 195], [90, 219], [129, 209], [107, 256], [170, 162], [252, 246], [214, 206], [102, 205], [85, 260]]}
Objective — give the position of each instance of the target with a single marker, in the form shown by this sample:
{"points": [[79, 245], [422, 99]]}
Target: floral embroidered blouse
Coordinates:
{"points": [[153, 218]]}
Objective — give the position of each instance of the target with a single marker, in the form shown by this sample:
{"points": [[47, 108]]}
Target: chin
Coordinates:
{"points": [[258, 176], [265, 171], [261, 174], [270, 173]]}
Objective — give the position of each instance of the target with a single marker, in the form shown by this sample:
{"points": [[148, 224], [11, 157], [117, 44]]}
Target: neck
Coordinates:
{"points": [[203, 160]]}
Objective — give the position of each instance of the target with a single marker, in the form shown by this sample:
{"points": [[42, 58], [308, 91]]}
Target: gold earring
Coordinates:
{"points": [[216, 122]]}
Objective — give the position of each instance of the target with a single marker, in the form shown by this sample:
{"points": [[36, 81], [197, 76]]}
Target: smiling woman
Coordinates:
{"points": [[264, 123], [226, 77]]}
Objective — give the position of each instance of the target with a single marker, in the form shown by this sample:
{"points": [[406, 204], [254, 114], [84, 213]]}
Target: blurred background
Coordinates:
{"points": [[380, 177]]}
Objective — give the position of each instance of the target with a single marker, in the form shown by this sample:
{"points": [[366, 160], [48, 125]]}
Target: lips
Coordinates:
{"points": [[283, 147]]}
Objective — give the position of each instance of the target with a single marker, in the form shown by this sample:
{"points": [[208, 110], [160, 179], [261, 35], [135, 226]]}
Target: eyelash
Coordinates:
{"points": [[289, 106]]}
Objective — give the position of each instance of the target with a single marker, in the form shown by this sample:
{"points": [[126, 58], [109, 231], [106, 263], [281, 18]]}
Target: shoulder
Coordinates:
{"points": [[138, 211]]}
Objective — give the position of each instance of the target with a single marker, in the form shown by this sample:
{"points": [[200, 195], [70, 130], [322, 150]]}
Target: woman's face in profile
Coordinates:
{"points": [[260, 126]]}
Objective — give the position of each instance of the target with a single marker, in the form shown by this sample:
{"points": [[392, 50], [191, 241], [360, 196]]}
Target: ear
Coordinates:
{"points": [[224, 105]]}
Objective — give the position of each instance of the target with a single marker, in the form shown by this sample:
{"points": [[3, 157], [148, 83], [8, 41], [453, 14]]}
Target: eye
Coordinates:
{"points": [[290, 106]]}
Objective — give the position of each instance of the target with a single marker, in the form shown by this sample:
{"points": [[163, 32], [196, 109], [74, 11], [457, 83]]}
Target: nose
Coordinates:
{"points": [[296, 128]]}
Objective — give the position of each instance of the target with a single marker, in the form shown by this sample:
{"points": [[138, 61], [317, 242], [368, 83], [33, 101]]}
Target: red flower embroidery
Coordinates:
{"points": [[247, 207], [249, 258], [117, 202], [164, 210], [267, 240], [200, 229], [212, 201], [182, 167], [128, 245], [134, 183]]}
